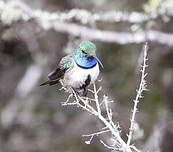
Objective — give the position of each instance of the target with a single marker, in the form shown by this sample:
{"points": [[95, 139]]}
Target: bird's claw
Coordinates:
{"points": [[85, 92]]}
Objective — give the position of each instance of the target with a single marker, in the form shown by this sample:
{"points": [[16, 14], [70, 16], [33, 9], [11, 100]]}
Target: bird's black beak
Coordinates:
{"points": [[99, 61]]}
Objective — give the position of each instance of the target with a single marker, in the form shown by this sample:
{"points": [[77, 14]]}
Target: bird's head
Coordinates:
{"points": [[87, 49]]}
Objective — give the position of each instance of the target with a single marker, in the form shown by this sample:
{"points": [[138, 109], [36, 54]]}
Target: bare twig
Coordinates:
{"points": [[85, 103], [109, 147], [96, 100], [142, 87], [96, 133]]}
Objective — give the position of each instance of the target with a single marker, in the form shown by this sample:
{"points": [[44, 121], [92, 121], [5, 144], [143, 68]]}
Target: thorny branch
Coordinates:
{"points": [[93, 106], [96, 110], [142, 87], [59, 21]]}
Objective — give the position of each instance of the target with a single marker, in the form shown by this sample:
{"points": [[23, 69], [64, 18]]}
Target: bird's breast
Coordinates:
{"points": [[77, 76]]}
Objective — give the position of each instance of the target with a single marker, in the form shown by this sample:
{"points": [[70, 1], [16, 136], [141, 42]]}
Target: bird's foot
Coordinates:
{"points": [[85, 92], [75, 93]]}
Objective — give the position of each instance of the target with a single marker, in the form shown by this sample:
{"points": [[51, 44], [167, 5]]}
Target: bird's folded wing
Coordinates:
{"points": [[59, 72]]}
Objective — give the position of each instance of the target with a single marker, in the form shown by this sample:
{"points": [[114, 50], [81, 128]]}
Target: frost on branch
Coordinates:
{"points": [[142, 87], [94, 106], [98, 105]]}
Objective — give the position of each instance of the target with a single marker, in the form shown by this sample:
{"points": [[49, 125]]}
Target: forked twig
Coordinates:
{"points": [[93, 106]]}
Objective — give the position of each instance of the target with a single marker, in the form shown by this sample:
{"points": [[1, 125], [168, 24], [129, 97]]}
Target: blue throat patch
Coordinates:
{"points": [[84, 62]]}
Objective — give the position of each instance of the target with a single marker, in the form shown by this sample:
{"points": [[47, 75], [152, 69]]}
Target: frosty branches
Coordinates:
{"points": [[142, 87], [99, 107], [62, 22], [93, 106]]}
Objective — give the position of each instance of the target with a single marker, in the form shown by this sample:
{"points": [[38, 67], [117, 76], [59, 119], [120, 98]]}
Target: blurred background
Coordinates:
{"points": [[32, 118]]}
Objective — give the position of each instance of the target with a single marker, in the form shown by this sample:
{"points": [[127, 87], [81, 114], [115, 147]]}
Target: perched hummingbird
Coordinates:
{"points": [[78, 69]]}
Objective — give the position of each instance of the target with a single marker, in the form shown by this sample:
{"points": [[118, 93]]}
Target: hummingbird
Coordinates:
{"points": [[77, 70]]}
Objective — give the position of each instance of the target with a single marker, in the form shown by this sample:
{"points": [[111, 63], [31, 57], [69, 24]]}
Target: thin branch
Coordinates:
{"points": [[96, 133], [84, 103], [133, 147], [142, 87], [115, 133], [96, 99], [80, 102], [109, 113], [109, 147]]}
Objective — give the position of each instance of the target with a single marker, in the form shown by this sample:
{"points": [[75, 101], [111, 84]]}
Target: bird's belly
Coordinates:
{"points": [[76, 77]]}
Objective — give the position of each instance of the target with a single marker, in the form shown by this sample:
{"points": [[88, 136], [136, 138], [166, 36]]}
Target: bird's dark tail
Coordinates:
{"points": [[50, 82], [54, 77], [45, 83]]}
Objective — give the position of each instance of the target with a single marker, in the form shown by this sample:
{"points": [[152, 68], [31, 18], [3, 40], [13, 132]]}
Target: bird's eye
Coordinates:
{"points": [[84, 52]]}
